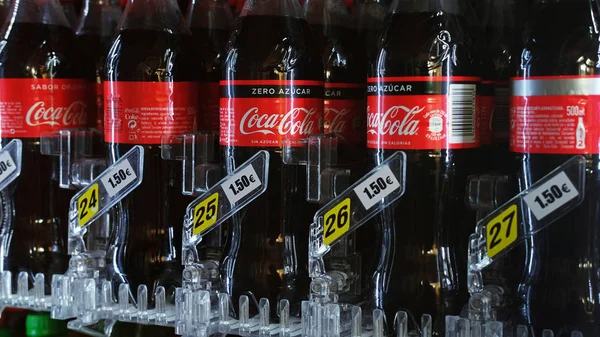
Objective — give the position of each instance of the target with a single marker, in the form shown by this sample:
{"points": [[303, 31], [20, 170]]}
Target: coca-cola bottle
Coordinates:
{"points": [[421, 99], [150, 91], [211, 23], [499, 66], [343, 116], [95, 30], [554, 97], [272, 92], [42, 89], [500, 54], [71, 12]]}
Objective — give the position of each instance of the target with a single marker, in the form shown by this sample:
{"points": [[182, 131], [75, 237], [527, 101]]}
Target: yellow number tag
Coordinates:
{"points": [[205, 214], [337, 221], [87, 205], [502, 231]]}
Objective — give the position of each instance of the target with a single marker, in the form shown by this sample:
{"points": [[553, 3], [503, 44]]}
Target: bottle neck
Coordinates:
{"points": [[99, 17], [210, 14], [163, 15], [498, 13], [289, 8], [35, 11], [327, 13]]}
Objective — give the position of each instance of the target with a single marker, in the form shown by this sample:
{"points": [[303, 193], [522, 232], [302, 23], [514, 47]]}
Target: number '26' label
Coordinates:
{"points": [[337, 221], [205, 214], [87, 205], [502, 231]]}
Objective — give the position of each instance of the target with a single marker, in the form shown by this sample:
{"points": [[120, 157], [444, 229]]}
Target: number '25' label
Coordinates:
{"points": [[205, 214], [501, 231]]}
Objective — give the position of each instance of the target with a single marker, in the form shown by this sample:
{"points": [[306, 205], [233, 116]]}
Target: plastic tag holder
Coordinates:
{"points": [[79, 152], [107, 189], [223, 200], [562, 180], [319, 154], [354, 207], [198, 153]]}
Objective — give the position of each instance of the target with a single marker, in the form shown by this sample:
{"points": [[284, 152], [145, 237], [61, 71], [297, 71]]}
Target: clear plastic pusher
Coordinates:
{"points": [[116, 182], [356, 205], [319, 155], [223, 200], [534, 209], [198, 154], [78, 164]]}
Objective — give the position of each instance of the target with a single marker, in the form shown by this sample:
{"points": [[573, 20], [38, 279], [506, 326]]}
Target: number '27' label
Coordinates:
{"points": [[502, 230]]}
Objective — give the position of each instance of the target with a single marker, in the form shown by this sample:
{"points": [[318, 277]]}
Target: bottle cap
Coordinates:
{"points": [[40, 324]]}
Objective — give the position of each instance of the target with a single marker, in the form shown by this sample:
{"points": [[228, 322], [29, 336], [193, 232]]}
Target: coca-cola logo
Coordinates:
{"points": [[397, 120], [72, 115], [336, 120], [297, 121]]}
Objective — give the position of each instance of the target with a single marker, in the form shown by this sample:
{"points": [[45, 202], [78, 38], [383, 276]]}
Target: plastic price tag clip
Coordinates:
{"points": [[80, 153], [74, 294], [371, 194], [198, 153], [527, 213], [35, 299], [223, 200]]}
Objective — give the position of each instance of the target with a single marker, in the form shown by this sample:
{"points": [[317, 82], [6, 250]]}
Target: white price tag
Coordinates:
{"points": [[118, 178], [240, 184], [7, 165], [551, 195], [377, 187]]}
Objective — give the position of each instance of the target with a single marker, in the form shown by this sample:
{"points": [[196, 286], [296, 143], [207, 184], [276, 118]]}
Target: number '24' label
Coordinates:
{"points": [[87, 205]]}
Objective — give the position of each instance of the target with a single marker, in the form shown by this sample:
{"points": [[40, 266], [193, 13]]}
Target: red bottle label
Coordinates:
{"points": [[144, 112], [422, 113], [487, 101], [209, 106], [31, 106], [99, 94], [343, 114], [555, 115], [263, 113]]}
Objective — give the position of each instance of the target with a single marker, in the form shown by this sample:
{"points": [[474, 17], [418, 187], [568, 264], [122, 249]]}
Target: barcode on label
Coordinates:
{"points": [[500, 114], [461, 103]]}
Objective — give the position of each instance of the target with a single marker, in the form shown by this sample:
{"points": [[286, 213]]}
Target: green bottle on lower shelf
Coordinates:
{"points": [[39, 324]]}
